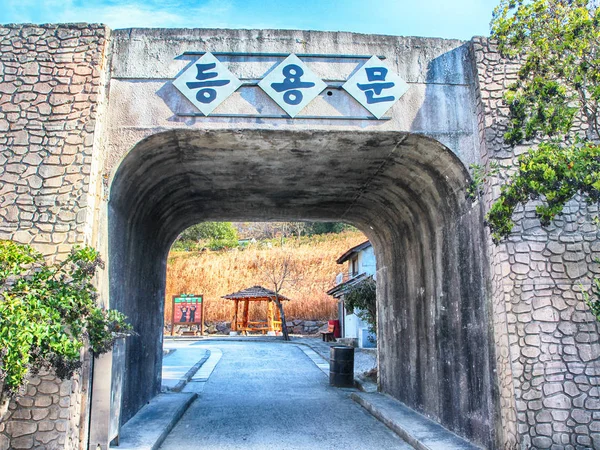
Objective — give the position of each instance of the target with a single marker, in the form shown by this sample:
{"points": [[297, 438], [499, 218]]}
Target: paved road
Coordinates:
{"points": [[272, 396]]}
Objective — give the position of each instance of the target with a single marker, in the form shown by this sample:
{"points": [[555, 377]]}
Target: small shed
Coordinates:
{"points": [[240, 322]]}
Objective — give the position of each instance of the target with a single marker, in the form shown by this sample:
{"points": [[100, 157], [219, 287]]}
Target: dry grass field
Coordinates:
{"points": [[215, 274]]}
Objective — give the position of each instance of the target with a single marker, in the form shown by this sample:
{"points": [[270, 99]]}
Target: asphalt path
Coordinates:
{"points": [[264, 395]]}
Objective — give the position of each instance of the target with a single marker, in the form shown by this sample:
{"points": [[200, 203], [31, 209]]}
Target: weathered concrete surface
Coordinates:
{"points": [[420, 432], [405, 191], [166, 172], [440, 102], [271, 396]]}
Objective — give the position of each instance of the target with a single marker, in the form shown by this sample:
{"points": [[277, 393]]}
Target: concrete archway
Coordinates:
{"points": [[405, 191]]}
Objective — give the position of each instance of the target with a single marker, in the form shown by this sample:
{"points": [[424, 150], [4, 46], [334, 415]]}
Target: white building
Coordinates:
{"points": [[361, 265]]}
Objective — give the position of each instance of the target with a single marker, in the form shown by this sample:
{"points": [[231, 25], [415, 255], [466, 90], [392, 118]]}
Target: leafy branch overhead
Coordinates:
{"points": [[553, 174], [48, 314], [554, 101], [557, 42]]}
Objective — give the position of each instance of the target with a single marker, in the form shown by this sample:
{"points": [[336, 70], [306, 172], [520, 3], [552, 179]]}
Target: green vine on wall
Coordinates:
{"points": [[554, 101], [592, 297], [551, 174], [48, 314], [479, 177]]}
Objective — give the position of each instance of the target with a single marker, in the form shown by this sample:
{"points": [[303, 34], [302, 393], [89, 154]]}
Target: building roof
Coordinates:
{"points": [[254, 293], [342, 288], [349, 253]]}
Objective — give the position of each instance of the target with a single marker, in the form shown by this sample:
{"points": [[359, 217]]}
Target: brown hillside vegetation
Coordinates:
{"points": [[215, 274]]}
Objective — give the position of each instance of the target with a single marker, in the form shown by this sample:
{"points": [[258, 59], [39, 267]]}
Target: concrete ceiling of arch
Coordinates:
{"points": [[263, 175]]}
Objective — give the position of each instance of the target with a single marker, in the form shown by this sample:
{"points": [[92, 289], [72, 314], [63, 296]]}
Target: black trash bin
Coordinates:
{"points": [[341, 366]]}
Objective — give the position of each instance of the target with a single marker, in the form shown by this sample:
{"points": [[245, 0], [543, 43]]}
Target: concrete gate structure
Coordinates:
{"points": [[98, 147]]}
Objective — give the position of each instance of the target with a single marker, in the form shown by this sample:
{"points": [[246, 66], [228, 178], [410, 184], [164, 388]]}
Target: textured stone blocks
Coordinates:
{"points": [[552, 366], [48, 84]]}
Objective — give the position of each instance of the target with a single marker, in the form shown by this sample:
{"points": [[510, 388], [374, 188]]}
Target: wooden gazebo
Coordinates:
{"points": [[240, 323]]}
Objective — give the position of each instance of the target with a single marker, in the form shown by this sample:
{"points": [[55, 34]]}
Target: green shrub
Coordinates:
{"points": [[208, 231], [360, 299], [313, 228], [592, 297], [48, 314], [222, 244]]}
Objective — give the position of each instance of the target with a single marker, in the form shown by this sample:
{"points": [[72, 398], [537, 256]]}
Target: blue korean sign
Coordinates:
{"points": [[207, 83], [376, 87], [292, 85]]}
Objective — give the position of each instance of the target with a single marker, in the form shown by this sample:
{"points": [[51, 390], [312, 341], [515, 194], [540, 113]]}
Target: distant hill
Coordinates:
{"points": [[216, 273]]}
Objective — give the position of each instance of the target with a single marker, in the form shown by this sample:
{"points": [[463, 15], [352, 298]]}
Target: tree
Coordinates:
{"points": [[271, 230], [554, 103], [558, 43], [48, 314], [326, 227], [219, 235], [361, 299], [280, 271], [555, 99]]}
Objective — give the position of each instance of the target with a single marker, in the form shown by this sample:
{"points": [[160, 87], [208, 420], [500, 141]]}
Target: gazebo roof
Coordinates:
{"points": [[254, 293]]}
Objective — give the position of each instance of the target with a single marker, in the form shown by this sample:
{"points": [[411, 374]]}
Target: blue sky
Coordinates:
{"points": [[460, 19]]}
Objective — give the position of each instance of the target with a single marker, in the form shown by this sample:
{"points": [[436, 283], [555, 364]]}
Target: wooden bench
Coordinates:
{"points": [[328, 336], [262, 327], [189, 333]]}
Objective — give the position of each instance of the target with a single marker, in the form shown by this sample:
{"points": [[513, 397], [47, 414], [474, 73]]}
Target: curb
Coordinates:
{"points": [[417, 430], [190, 373], [168, 351], [364, 385], [149, 428]]}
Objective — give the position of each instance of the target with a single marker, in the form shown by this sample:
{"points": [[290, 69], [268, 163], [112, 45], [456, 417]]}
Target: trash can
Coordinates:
{"points": [[341, 366]]}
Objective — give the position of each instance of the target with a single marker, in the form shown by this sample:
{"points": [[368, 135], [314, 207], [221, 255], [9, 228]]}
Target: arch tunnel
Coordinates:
{"points": [[406, 192]]}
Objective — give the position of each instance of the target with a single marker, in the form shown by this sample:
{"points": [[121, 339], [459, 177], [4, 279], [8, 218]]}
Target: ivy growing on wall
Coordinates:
{"points": [[553, 174], [48, 314], [554, 105]]}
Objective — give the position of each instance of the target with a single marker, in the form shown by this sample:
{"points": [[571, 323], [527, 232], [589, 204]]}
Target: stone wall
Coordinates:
{"points": [[41, 416], [302, 327], [549, 357], [307, 327], [546, 351], [50, 84]]}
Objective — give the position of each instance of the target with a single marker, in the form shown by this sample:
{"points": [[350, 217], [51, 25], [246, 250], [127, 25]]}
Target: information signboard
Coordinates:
{"points": [[188, 309]]}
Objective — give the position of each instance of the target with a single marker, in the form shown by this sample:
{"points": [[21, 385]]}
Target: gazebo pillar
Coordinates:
{"points": [[270, 315], [246, 308], [234, 319]]}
